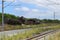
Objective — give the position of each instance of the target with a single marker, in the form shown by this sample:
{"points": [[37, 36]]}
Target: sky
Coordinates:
{"points": [[42, 9]]}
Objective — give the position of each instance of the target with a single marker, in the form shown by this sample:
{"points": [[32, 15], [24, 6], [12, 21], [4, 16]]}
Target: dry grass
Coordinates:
{"points": [[15, 27], [55, 36], [34, 31]]}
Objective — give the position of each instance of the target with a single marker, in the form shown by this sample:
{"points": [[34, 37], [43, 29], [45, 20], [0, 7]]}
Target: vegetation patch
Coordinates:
{"points": [[56, 36], [30, 33]]}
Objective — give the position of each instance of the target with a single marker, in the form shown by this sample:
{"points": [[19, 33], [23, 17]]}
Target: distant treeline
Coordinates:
{"points": [[16, 20]]}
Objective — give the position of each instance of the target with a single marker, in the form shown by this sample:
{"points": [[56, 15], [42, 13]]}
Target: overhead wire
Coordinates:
{"points": [[8, 4]]}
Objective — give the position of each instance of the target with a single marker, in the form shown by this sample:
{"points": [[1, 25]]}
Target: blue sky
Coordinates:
{"points": [[42, 9]]}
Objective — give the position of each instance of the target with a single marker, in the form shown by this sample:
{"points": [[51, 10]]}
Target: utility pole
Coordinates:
{"points": [[2, 15], [54, 15]]}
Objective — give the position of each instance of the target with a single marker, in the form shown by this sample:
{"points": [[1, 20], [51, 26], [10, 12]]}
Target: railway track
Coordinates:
{"points": [[43, 34]]}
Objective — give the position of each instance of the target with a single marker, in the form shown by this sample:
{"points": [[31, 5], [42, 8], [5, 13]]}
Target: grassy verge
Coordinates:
{"points": [[26, 34], [30, 33], [36, 29], [15, 27], [56, 36]]}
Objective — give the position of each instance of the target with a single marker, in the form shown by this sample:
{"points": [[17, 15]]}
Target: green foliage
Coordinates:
{"points": [[10, 16], [50, 21], [7, 16]]}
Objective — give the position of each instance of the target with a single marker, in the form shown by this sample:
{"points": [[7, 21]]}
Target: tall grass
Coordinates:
{"points": [[27, 34], [56, 36], [15, 27]]}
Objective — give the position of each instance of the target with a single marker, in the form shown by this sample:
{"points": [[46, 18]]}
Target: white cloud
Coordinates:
{"points": [[22, 9], [50, 4], [35, 13], [17, 9], [53, 5], [41, 15], [45, 3], [35, 10], [25, 9]]}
